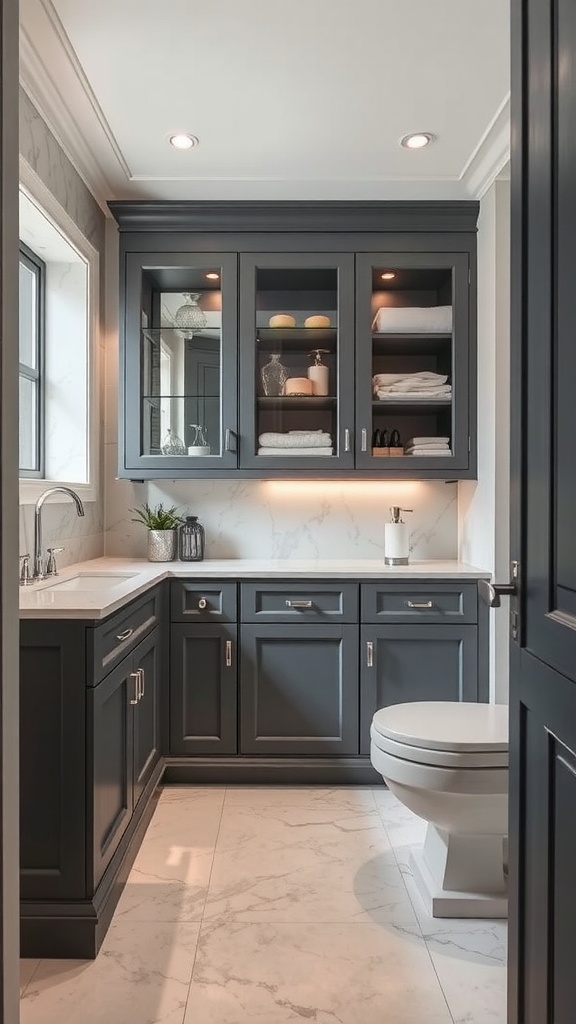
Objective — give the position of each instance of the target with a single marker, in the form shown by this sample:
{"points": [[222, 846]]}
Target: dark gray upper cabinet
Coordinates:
{"points": [[199, 400]]}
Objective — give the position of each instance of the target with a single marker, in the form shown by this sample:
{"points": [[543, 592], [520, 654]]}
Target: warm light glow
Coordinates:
{"points": [[183, 141], [388, 275], [417, 140], [384, 490], [212, 276]]}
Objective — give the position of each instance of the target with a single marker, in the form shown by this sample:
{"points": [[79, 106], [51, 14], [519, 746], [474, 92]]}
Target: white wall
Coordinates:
{"points": [[483, 505]]}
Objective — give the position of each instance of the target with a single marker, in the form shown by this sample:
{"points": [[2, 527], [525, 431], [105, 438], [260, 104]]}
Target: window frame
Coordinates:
{"points": [[32, 261]]}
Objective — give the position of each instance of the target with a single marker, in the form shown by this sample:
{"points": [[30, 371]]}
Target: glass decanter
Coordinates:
{"points": [[172, 445], [274, 376]]}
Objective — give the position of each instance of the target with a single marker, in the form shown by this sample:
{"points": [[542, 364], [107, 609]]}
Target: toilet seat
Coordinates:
{"points": [[443, 733]]}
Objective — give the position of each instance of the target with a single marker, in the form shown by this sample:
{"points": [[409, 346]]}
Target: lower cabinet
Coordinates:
{"points": [[123, 720], [400, 664], [299, 689], [203, 688]]}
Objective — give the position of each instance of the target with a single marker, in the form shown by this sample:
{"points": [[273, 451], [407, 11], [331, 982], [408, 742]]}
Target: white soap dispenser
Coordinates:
{"points": [[396, 538]]}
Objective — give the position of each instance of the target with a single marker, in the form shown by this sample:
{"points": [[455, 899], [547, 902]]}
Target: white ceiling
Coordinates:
{"points": [[290, 99]]}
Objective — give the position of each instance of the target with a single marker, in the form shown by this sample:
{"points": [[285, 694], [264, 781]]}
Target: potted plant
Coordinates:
{"points": [[162, 524]]}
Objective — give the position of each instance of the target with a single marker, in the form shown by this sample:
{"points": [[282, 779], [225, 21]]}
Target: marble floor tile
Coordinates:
{"points": [[305, 863], [315, 796], [475, 992], [350, 974], [169, 878], [141, 976], [403, 827], [193, 794], [27, 969]]}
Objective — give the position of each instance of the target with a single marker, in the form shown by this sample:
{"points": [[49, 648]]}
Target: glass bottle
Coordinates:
{"points": [[274, 376], [191, 540], [172, 444]]}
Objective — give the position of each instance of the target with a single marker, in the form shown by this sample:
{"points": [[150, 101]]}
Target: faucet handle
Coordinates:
{"points": [[25, 577], [51, 568]]}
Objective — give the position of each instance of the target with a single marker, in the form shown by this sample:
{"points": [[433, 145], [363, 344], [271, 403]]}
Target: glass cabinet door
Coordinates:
{"points": [[180, 362], [297, 361], [413, 357]]}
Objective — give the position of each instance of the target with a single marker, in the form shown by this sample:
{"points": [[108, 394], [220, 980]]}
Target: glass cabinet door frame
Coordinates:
{"points": [[343, 263], [463, 358], [131, 367]]}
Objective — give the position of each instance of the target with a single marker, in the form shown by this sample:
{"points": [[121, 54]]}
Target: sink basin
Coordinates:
{"points": [[91, 581]]}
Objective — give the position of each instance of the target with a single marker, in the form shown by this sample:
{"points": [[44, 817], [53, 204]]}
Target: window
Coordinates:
{"points": [[31, 375]]}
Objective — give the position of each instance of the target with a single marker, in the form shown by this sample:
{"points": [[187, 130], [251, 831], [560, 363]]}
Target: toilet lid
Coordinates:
{"points": [[445, 725]]}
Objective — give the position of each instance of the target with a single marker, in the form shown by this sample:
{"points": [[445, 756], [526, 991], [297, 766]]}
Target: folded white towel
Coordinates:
{"points": [[427, 376], [419, 319], [296, 439], [428, 451], [413, 396], [295, 452], [410, 388], [418, 441]]}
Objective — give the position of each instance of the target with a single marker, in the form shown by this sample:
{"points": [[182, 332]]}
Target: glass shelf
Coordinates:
{"points": [[285, 402], [299, 339]]}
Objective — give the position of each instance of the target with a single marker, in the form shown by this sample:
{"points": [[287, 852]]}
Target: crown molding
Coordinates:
{"points": [[491, 154]]}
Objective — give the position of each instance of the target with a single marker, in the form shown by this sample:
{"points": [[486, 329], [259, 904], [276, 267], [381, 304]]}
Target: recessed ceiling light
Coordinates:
{"points": [[212, 276], [183, 141], [417, 140], [388, 275]]}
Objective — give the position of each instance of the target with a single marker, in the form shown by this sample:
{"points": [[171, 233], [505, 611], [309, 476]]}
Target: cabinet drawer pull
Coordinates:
{"points": [[202, 603], [136, 677], [142, 682], [418, 604], [370, 653], [346, 440], [125, 634], [228, 653], [231, 440], [364, 435], [298, 604]]}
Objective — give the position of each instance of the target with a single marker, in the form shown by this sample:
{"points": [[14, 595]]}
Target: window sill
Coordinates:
{"points": [[31, 489]]}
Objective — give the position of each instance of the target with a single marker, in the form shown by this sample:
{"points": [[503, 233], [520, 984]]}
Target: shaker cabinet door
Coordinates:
{"points": [[148, 662], [203, 687]]}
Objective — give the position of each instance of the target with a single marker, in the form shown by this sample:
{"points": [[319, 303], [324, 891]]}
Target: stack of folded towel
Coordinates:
{"points": [[411, 386], [296, 442], [428, 446]]}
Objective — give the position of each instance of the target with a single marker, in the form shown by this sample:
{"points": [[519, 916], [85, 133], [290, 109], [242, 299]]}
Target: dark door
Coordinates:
{"points": [[203, 689], [299, 690], [111, 722], [407, 663], [147, 661], [543, 661]]}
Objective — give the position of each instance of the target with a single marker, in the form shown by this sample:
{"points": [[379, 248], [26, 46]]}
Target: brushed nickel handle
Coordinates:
{"points": [[231, 434], [136, 677], [202, 603], [228, 653], [418, 604], [370, 653], [125, 634], [298, 604], [142, 681], [346, 440], [364, 435]]}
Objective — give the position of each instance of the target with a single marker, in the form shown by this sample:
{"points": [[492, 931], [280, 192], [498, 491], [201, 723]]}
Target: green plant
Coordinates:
{"points": [[157, 518]]}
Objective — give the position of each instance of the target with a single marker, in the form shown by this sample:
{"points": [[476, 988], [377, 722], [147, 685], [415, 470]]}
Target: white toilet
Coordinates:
{"points": [[448, 763]]}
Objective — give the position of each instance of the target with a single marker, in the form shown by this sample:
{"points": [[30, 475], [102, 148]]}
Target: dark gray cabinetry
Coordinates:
{"points": [[418, 642], [203, 688], [299, 689], [326, 259], [90, 763]]}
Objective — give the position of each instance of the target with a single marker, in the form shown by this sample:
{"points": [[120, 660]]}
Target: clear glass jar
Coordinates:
{"points": [[191, 540]]}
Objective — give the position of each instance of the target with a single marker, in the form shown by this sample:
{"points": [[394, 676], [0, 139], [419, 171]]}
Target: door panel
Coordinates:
{"points": [[147, 659], [542, 984], [203, 689], [299, 690]]}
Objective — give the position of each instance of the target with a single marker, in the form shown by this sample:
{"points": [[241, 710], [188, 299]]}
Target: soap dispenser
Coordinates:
{"points": [[396, 538]]}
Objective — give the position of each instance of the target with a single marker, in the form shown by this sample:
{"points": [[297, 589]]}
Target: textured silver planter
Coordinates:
{"points": [[161, 545]]}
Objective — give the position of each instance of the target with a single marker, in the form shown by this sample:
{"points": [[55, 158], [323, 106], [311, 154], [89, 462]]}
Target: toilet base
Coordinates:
{"points": [[461, 876]]}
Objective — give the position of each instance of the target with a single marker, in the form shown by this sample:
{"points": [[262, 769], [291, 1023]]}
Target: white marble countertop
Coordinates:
{"points": [[46, 600]]}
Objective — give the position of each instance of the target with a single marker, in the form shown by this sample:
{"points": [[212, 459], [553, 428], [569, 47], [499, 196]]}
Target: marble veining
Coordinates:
{"points": [[276, 904]]}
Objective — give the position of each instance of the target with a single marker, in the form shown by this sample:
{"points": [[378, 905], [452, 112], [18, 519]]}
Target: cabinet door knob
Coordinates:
{"points": [[228, 653], [136, 677], [298, 604], [418, 604], [370, 653], [202, 603]]}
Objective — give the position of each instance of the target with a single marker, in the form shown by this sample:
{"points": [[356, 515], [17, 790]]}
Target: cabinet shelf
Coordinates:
{"points": [[411, 344], [296, 339], [297, 402], [411, 405]]}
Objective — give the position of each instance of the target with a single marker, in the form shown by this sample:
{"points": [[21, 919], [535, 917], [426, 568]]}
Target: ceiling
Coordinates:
{"points": [[305, 99]]}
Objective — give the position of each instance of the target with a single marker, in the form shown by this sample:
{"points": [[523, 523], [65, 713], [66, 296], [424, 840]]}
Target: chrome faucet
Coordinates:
{"points": [[38, 571]]}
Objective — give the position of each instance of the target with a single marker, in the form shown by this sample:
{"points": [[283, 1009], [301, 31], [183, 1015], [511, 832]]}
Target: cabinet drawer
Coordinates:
{"points": [[194, 601], [299, 602], [419, 602], [114, 639]]}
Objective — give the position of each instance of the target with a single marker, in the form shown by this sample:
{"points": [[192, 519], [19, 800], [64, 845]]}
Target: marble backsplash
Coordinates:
{"points": [[81, 538], [290, 519]]}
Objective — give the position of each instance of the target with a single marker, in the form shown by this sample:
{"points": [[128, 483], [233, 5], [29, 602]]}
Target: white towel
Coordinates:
{"points": [[296, 452], [417, 442], [413, 319], [413, 396], [414, 389], [296, 439], [426, 376], [428, 451]]}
